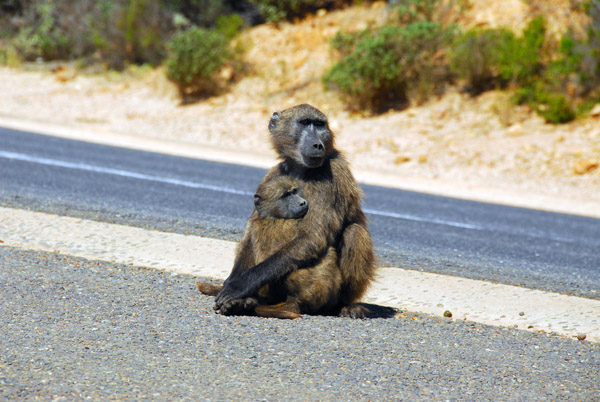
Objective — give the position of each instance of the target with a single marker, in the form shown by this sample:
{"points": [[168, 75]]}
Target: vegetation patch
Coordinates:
{"points": [[380, 68]]}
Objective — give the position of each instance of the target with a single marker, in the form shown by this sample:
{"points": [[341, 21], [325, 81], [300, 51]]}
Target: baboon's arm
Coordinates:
{"points": [[244, 257], [301, 252]]}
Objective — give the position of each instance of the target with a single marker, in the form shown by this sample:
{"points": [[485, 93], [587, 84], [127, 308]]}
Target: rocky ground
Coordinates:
{"points": [[483, 148]]}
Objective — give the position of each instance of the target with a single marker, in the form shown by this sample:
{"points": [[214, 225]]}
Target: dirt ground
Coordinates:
{"points": [[482, 148]]}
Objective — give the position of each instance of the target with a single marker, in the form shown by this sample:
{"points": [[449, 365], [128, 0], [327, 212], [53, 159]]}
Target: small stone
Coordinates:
{"points": [[515, 130], [447, 314], [581, 337], [522, 313], [583, 166], [401, 159], [595, 112]]}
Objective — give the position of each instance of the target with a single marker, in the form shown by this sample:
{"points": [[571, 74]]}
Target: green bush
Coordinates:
{"points": [[196, 56], [277, 10], [45, 39], [553, 106], [521, 58], [488, 58], [380, 68], [493, 57], [475, 56], [115, 32], [229, 25], [582, 57], [128, 32], [203, 13]]}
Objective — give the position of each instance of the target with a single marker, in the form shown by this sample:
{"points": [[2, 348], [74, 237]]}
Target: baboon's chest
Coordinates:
{"points": [[270, 235]]}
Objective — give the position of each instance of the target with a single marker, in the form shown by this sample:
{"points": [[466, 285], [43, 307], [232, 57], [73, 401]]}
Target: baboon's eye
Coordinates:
{"points": [[290, 192], [319, 123], [304, 122]]}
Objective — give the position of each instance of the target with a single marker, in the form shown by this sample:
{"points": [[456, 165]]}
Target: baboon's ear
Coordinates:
{"points": [[273, 122], [256, 200]]}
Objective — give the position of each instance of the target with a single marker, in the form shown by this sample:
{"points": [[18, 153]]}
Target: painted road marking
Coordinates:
{"points": [[118, 172], [190, 184]]}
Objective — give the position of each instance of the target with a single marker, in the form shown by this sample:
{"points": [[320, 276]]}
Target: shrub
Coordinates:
{"points": [[196, 56], [203, 13], [582, 57], [116, 32], [128, 32], [444, 11], [229, 25], [520, 58], [492, 57], [554, 107], [379, 68], [475, 57], [277, 10], [45, 38]]}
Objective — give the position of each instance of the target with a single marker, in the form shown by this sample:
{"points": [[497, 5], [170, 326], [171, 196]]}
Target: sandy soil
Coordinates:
{"points": [[482, 148]]}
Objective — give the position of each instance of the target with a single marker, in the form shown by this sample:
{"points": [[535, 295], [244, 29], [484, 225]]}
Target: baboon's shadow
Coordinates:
{"points": [[377, 311]]}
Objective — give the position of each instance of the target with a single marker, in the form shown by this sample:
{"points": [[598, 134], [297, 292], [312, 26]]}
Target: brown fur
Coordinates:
{"points": [[334, 225], [307, 291]]}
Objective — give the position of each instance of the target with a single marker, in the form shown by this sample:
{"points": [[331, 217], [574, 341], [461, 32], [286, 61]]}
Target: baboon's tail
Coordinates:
{"points": [[208, 288], [282, 310]]}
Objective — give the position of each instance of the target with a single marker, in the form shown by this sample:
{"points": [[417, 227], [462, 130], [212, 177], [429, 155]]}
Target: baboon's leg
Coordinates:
{"points": [[357, 263]]}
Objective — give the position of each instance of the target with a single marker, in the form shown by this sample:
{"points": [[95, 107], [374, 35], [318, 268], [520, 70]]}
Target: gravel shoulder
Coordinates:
{"points": [[81, 329]]}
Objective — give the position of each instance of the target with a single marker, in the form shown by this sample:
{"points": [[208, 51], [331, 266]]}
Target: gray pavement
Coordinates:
{"points": [[74, 329], [513, 246]]}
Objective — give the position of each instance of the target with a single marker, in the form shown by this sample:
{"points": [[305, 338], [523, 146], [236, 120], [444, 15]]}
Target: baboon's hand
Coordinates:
{"points": [[237, 306], [230, 296]]}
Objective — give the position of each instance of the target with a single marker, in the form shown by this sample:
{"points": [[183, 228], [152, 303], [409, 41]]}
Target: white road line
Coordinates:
{"points": [[419, 219], [185, 183], [117, 172], [414, 291]]}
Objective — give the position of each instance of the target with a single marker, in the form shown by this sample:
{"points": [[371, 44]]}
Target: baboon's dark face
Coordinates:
{"points": [[312, 139], [302, 134], [280, 203]]}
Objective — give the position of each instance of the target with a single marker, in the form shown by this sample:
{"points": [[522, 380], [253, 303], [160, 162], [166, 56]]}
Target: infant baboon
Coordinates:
{"points": [[278, 208]]}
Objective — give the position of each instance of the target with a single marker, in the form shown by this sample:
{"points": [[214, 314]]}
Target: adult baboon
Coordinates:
{"points": [[279, 207], [305, 145]]}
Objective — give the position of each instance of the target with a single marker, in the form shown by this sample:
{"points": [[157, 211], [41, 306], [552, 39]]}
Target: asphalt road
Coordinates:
{"points": [[541, 250], [74, 329]]}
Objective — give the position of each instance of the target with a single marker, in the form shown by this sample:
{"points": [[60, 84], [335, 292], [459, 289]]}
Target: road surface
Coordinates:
{"points": [[540, 250]]}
